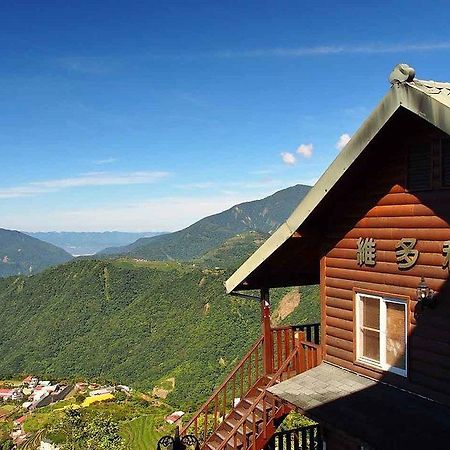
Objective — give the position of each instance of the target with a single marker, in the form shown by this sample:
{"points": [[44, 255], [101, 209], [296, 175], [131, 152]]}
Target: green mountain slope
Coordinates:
{"points": [[134, 322], [23, 254], [263, 215], [234, 251]]}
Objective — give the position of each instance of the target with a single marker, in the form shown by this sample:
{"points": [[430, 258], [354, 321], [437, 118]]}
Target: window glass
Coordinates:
{"points": [[371, 312], [370, 328], [395, 335], [371, 344]]}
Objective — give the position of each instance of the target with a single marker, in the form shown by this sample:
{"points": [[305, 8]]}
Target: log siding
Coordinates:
{"points": [[385, 210]]}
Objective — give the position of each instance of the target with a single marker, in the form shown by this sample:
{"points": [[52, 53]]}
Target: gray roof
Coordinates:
{"points": [[429, 100], [322, 384], [380, 415]]}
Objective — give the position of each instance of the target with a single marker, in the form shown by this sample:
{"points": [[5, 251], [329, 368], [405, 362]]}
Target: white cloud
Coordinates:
{"points": [[343, 141], [288, 158], [165, 214], [105, 161], [305, 150], [87, 179], [88, 65], [264, 184], [199, 185], [325, 50]]}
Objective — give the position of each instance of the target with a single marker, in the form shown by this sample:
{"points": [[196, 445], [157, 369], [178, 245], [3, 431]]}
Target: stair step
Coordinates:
{"points": [[224, 431], [218, 438], [241, 410], [248, 429]]}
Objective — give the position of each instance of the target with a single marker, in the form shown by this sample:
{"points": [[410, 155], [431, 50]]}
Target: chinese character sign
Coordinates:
{"points": [[366, 252], [406, 253], [446, 253]]}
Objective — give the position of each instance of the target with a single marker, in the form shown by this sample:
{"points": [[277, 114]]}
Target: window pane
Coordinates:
{"points": [[371, 344], [395, 335], [370, 312]]}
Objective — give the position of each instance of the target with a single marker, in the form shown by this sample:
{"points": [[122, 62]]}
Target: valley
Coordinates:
{"points": [[155, 317], [130, 419], [121, 320], [89, 243]]}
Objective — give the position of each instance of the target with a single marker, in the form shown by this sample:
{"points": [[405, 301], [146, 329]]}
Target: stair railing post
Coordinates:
{"points": [[299, 336], [267, 332]]}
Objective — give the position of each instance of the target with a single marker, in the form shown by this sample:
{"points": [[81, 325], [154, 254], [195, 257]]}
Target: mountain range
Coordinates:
{"points": [[89, 243], [263, 215], [23, 254], [224, 239], [125, 319], [233, 252]]}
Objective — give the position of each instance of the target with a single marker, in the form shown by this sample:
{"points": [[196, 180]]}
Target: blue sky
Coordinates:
{"points": [[149, 115]]}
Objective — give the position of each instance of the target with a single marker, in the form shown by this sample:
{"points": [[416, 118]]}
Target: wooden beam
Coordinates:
{"points": [[267, 332]]}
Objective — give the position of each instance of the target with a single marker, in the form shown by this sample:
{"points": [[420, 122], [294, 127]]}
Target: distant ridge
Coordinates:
{"points": [[264, 216], [23, 254], [89, 243]]}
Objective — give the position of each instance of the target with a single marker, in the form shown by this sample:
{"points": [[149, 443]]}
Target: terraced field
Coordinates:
{"points": [[140, 433], [33, 443]]}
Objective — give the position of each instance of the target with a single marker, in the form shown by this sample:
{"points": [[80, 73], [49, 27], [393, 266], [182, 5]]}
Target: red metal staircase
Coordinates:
{"points": [[242, 413]]}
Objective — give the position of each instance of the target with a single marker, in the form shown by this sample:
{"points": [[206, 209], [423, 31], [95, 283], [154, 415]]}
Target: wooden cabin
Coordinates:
{"points": [[374, 233]]}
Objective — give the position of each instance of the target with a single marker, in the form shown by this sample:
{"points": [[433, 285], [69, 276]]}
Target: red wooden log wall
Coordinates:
{"points": [[375, 203]]}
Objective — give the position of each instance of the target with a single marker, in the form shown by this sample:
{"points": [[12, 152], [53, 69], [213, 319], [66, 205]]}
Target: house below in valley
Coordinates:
{"points": [[174, 417], [12, 394]]}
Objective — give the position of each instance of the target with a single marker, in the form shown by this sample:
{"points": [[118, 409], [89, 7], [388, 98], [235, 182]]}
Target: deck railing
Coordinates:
{"points": [[284, 351], [303, 438], [235, 386], [284, 340], [268, 404], [311, 330]]}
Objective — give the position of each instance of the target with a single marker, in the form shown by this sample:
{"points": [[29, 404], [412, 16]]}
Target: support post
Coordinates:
{"points": [[299, 337], [267, 332]]}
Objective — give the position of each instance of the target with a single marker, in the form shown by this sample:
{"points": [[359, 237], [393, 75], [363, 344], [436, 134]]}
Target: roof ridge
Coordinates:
{"points": [[430, 84]]}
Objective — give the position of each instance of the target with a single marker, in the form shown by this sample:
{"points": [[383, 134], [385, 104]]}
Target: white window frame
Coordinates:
{"points": [[382, 364]]}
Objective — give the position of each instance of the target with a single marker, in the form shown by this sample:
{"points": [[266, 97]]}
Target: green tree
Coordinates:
{"points": [[7, 445], [89, 433]]}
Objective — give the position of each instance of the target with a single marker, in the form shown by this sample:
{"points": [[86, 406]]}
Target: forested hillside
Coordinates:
{"points": [[234, 251], [23, 254], [136, 323], [263, 215]]}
